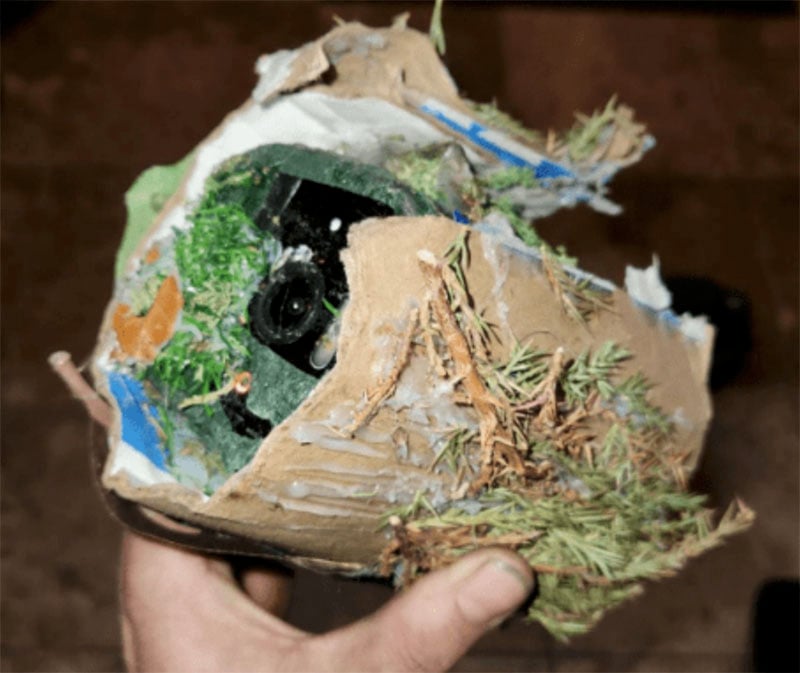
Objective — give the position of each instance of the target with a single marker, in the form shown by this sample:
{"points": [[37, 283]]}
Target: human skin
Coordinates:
{"points": [[183, 611]]}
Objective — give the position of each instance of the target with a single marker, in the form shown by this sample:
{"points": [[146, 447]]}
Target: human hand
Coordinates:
{"points": [[183, 611]]}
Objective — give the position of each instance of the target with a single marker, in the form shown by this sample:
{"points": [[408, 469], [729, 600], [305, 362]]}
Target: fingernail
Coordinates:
{"points": [[493, 591]]}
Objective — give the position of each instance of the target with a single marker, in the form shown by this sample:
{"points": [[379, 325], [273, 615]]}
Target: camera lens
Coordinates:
{"points": [[290, 305]]}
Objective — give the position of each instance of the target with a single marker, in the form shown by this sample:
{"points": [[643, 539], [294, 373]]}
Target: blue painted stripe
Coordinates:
{"points": [[459, 217], [543, 170], [137, 411], [550, 169]]}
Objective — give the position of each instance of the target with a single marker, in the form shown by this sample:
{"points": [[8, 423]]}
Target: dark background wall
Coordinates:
{"points": [[93, 93]]}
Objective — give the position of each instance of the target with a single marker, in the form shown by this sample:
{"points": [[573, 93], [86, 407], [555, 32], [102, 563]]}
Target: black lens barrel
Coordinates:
{"points": [[290, 305]]}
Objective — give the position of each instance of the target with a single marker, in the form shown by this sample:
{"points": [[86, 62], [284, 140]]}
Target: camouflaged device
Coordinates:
{"points": [[336, 339]]}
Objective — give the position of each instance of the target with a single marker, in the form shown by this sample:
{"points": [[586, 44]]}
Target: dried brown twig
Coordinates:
{"points": [[386, 388], [496, 442]]}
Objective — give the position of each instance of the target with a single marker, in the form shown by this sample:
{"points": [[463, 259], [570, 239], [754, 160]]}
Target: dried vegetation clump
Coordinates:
{"points": [[570, 465]]}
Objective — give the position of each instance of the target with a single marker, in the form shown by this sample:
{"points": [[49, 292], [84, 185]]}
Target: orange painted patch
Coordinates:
{"points": [[140, 337], [153, 255]]}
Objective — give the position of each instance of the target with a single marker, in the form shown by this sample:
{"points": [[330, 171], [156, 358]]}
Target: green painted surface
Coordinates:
{"points": [[212, 427], [143, 201], [279, 387], [246, 179]]}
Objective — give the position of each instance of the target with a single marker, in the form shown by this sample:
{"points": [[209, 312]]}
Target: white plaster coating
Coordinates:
{"points": [[272, 70], [320, 435], [315, 120], [127, 460], [302, 505], [646, 287], [364, 127], [694, 327], [497, 258]]}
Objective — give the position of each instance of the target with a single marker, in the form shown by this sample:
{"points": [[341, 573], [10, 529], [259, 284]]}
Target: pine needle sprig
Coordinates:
{"points": [[584, 137], [578, 298], [436, 30], [593, 372], [524, 371], [455, 451], [631, 397], [593, 498], [478, 330]]}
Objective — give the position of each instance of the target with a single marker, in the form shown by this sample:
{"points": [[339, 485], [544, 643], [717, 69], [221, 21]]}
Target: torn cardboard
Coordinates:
{"points": [[315, 493], [237, 447]]}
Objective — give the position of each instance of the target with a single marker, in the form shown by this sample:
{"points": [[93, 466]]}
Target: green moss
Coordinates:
{"points": [[493, 116], [513, 176], [419, 172]]}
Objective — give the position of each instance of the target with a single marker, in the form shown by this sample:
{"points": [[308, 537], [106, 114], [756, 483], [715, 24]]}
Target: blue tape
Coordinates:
{"points": [[138, 430]]}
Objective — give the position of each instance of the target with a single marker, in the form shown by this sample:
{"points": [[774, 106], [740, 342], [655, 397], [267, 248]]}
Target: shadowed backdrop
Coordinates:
{"points": [[94, 93]]}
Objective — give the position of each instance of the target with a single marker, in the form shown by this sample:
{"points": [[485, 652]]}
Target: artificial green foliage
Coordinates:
{"points": [[185, 367], [220, 248], [220, 260]]}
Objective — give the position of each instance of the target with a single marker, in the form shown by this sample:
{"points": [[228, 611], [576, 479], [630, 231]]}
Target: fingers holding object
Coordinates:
{"points": [[268, 585], [432, 624]]}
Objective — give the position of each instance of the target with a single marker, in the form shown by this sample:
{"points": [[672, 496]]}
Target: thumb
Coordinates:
{"points": [[430, 626]]}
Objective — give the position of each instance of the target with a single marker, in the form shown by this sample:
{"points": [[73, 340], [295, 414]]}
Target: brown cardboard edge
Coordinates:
{"points": [[137, 518]]}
